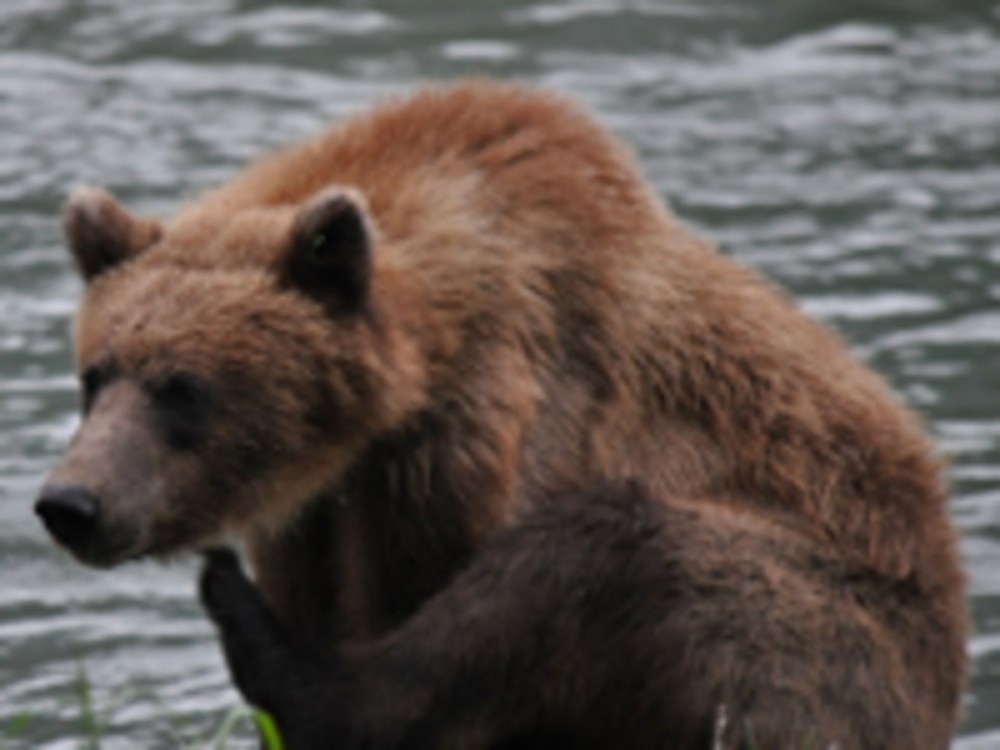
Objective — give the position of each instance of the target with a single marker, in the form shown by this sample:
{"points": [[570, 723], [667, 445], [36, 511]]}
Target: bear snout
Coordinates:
{"points": [[71, 514]]}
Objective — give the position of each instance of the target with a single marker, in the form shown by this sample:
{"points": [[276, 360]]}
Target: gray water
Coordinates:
{"points": [[847, 148]]}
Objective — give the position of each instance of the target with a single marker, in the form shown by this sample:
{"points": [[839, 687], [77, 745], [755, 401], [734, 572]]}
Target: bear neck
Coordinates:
{"points": [[366, 553]]}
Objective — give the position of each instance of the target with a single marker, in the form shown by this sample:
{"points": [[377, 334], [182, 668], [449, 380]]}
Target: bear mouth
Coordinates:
{"points": [[104, 554]]}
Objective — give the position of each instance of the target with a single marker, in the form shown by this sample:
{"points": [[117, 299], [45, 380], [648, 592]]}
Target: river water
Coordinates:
{"points": [[847, 148]]}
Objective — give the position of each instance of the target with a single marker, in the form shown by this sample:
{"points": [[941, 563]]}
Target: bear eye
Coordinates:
{"points": [[92, 381], [183, 404]]}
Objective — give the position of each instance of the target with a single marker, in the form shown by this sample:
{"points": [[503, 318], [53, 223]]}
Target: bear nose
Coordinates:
{"points": [[70, 513]]}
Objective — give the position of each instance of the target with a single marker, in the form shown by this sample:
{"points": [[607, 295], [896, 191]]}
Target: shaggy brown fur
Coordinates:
{"points": [[374, 351]]}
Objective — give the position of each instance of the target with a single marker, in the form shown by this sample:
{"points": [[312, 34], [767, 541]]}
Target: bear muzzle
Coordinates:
{"points": [[102, 496]]}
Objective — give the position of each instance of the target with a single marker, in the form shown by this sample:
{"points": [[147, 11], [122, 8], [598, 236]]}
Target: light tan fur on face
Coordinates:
{"points": [[164, 317]]}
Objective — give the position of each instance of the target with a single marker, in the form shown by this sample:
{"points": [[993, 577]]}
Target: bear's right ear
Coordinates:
{"points": [[331, 254], [101, 233]]}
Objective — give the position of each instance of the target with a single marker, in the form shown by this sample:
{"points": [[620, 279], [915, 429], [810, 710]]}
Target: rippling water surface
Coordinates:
{"points": [[848, 149]]}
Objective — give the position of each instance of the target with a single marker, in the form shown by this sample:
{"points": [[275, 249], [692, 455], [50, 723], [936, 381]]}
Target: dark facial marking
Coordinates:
{"points": [[93, 380], [183, 404]]}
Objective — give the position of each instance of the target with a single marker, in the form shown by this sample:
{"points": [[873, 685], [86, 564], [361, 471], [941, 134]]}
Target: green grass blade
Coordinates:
{"points": [[89, 724], [268, 730], [265, 724], [233, 717], [13, 728]]}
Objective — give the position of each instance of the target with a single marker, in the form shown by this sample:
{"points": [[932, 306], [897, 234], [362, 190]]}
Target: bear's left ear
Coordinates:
{"points": [[331, 253], [101, 233]]}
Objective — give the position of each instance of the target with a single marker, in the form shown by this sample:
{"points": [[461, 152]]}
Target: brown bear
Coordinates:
{"points": [[516, 458]]}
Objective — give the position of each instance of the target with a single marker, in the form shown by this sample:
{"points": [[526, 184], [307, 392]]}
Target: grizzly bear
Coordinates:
{"points": [[517, 459]]}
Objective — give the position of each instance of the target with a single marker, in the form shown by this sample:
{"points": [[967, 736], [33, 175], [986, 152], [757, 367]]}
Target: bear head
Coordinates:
{"points": [[231, 365]]}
